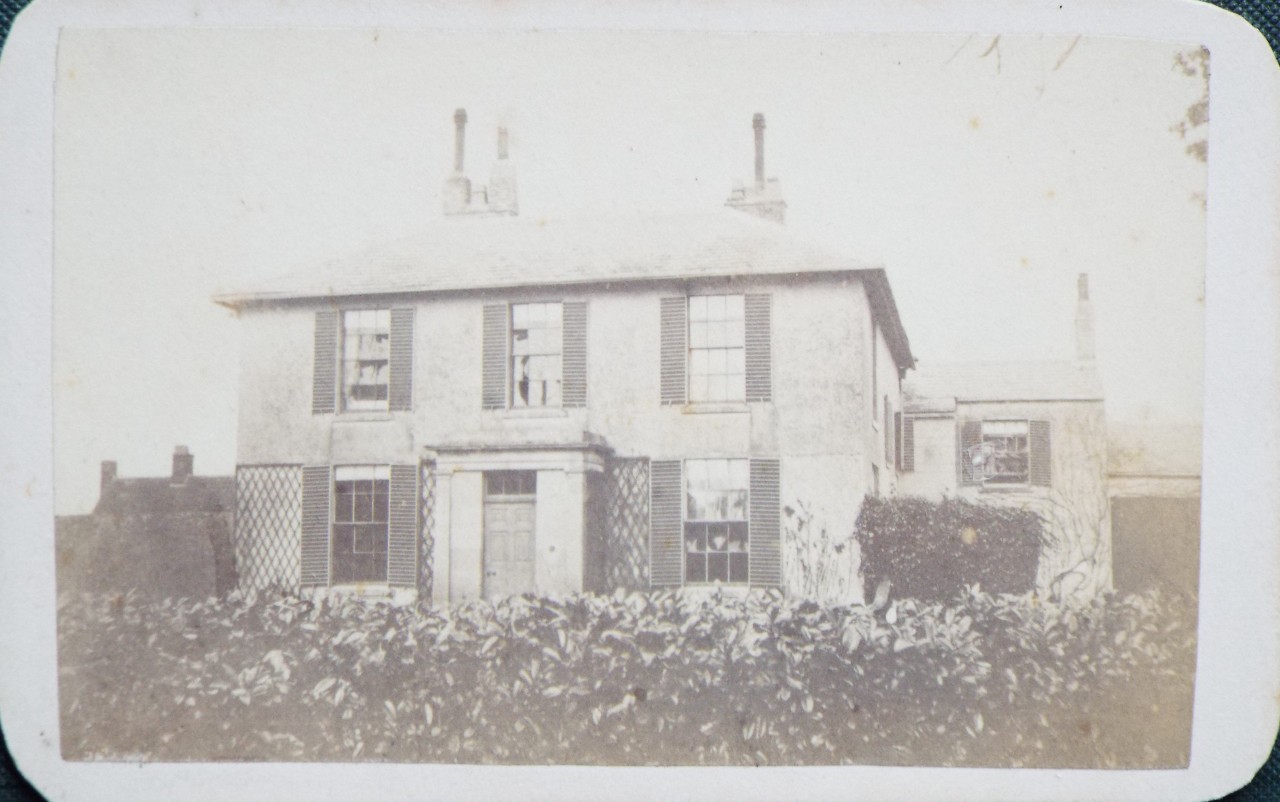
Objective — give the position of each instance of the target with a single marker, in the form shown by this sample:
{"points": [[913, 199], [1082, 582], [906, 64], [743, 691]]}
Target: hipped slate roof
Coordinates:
{"points": [[1003, 381], [454, 255]]}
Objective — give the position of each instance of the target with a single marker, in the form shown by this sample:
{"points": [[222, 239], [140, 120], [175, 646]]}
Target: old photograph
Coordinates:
{"points": [[628, 398]]}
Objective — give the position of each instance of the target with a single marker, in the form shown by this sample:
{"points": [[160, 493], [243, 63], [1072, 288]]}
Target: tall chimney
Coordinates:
{"points": [[502, 182], [107, 475], [757, 122], [456, 195], [459, 138], [763, 198], [1084, 320], [183, 464]]}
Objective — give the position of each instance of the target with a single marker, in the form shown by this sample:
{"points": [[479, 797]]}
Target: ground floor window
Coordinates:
{"points": [[360, 512], [716, 531]]}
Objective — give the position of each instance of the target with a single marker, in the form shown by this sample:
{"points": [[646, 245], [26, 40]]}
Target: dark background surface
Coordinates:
{"points": [[1262, 14]]}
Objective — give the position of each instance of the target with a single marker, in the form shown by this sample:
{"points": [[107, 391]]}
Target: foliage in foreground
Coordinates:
{"points": [[665, 678]]}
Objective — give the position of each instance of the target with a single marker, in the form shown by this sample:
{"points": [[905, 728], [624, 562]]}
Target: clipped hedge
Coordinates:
{"points": [[646, 678], [933, 550]]}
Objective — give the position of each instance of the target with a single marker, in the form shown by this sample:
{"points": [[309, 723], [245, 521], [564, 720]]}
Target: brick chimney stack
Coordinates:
{"points": [[107, 475], [183, 464], [501, 192], [764, 197], [757, 123], [1084, 320]]}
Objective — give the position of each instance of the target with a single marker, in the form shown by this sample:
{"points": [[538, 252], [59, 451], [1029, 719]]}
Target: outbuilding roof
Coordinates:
{"points": [[1004, 381], [480, 253]]}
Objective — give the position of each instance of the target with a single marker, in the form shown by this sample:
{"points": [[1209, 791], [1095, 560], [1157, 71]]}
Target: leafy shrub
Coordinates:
{"points": [[933, 550], [646, 678]]}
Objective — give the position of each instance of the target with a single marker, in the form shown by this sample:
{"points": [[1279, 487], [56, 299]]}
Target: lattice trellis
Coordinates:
{"points": [[627, 523], [426, 571], [268, 529]]}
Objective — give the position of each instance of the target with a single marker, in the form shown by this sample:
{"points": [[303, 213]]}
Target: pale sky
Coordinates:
{"points": [[188, 162]]}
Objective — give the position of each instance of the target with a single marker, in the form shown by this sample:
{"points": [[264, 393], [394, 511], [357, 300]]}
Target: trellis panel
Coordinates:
{"points": [[627, 524], [268, 526]]}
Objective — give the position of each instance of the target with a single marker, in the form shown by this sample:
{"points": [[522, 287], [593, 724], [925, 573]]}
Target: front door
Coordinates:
{"points": [[508, 533]]}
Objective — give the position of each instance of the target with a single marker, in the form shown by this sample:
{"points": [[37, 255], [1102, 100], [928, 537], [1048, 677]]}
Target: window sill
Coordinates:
{"points": [[535, 412], [1012, 489], [363, 416], [715, 408]]}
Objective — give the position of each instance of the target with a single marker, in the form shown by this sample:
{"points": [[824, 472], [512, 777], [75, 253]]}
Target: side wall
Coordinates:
{"points": [[1075, 506]]}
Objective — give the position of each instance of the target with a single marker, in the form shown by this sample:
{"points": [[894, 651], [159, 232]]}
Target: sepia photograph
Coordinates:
{"points": [[628, 398]]}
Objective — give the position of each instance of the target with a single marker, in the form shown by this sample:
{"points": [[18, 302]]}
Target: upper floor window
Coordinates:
{"points": [[537, 341], [716, 529], [366, 358], [1004, 455], [717, 348]]}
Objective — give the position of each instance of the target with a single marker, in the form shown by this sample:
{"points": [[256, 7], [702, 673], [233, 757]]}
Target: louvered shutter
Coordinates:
{"points": [[402, 527], [400, 389], [907, 454], [315, 525], [666, 523], [970, 436], [494, 390], [1041, 472], [675, 349], [324, 374], [765, 534], [758, 352], [573, 392], [888, 435]]}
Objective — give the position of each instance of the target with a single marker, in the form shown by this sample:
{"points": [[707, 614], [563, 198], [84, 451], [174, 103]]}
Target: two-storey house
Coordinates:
{"points": [[498, 405]]}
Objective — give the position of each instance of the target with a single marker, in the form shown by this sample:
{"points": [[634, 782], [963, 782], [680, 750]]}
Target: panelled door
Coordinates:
{"points": [[508, 533]]}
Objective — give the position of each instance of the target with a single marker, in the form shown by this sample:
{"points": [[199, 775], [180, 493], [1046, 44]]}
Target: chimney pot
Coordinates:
{"points": [[459, 138], [1084, 320], [183, 464]]}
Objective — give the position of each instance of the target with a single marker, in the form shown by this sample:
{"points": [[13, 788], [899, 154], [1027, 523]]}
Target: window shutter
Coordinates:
{"points": [[402, 527], [324, 375], [494, 390], [400, 391], [675, 349], [888, 435], [765, 533], [315, 525], [970, 436], [666, 523], [573, 392], [1041, 457], [757, 311], [907, 454]]}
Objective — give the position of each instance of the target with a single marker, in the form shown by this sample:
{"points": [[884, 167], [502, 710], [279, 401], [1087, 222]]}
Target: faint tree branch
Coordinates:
{"points": [[994, 46], [1066, 54]]}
